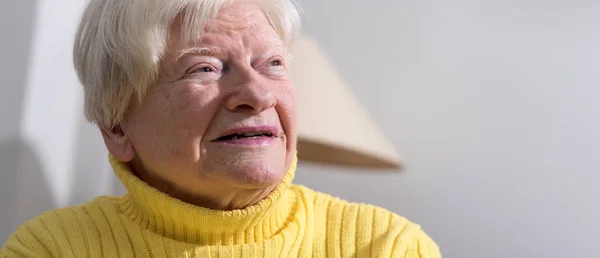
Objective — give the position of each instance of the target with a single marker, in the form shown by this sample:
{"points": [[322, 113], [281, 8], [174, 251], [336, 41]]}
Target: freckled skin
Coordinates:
{"points": [[173, 130]]}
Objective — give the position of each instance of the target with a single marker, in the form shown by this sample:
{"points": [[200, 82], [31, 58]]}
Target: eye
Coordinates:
{"points": [[204, 72], [275, 67], [276, 62], [205, 66], [204, 69]]}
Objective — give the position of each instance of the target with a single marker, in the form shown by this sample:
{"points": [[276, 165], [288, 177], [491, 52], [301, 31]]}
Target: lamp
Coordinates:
{"points": [[333, 127]]}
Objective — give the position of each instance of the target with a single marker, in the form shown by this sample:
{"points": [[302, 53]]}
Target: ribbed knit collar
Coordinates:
{"points": [[172, 218]]}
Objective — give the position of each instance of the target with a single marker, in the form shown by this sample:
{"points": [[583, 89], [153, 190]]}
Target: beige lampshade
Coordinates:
{"points": [[332, 126]]}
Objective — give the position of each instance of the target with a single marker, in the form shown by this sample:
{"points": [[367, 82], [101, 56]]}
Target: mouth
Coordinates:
{"points": [[249, 135], [236, 136]]}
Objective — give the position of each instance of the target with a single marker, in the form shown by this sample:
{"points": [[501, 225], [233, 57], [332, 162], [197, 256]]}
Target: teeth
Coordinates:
{"points": [[257, 134], [247, 135]]}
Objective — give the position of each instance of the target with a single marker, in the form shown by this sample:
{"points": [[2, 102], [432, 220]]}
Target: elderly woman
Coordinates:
{"points": [[196, 107]]}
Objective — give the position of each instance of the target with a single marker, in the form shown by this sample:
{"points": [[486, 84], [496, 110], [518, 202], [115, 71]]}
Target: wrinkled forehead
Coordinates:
{"points": [[238, 22]]}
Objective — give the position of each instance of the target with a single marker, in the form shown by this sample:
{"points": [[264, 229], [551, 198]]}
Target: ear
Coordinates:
{"points": [[118, 144]]}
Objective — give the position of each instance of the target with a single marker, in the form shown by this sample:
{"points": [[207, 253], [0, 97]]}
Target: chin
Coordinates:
{"points": [[256, 173], [249, 167]]}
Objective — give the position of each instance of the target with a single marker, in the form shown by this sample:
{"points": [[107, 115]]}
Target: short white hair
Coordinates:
{"points": [[119, 44]]}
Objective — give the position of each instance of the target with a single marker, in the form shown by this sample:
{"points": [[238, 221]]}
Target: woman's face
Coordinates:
{"points": [[222, 113]]}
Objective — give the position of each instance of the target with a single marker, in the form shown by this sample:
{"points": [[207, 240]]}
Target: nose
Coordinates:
{"points": [[250, 95]]}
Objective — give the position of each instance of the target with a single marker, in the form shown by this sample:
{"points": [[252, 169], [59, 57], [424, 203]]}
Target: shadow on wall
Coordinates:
{"points": [[93, 174], [24, 191]]}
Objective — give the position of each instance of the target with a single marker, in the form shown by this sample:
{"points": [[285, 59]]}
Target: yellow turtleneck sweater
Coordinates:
{"points": [[292, 221]]}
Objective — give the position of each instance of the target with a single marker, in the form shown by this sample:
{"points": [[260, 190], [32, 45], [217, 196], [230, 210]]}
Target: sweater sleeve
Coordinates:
{"points": [[422, 246], [426, 247], [24, 243]]}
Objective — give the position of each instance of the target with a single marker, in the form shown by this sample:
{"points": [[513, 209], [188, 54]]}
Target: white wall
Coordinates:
{"points": [[492, 104], [495, 106], [12, 78], [48, 156]]}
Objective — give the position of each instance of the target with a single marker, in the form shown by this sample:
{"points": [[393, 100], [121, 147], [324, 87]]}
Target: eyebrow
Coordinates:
{"points": [[209, 51], [276, 41], [217, 51]]}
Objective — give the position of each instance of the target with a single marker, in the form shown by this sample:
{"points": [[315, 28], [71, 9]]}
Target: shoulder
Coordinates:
{"points": [[372, 231], [57, 231]]}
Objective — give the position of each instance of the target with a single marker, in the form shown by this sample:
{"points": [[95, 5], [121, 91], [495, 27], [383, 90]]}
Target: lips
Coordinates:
{"points": [[236, 136], [248, 133]]}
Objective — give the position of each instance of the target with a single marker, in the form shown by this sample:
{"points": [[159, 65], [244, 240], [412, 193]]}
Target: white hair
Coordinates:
{"points": [[119, 44]]}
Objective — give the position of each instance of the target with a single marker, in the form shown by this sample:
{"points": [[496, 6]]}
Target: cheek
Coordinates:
{"points": [[190, 110], [287, 109], [175, 120], [191, 106]]}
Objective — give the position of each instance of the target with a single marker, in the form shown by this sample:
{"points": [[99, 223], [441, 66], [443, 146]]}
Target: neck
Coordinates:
{"points": [[213, 196], [211, 193], [163, 214]]}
